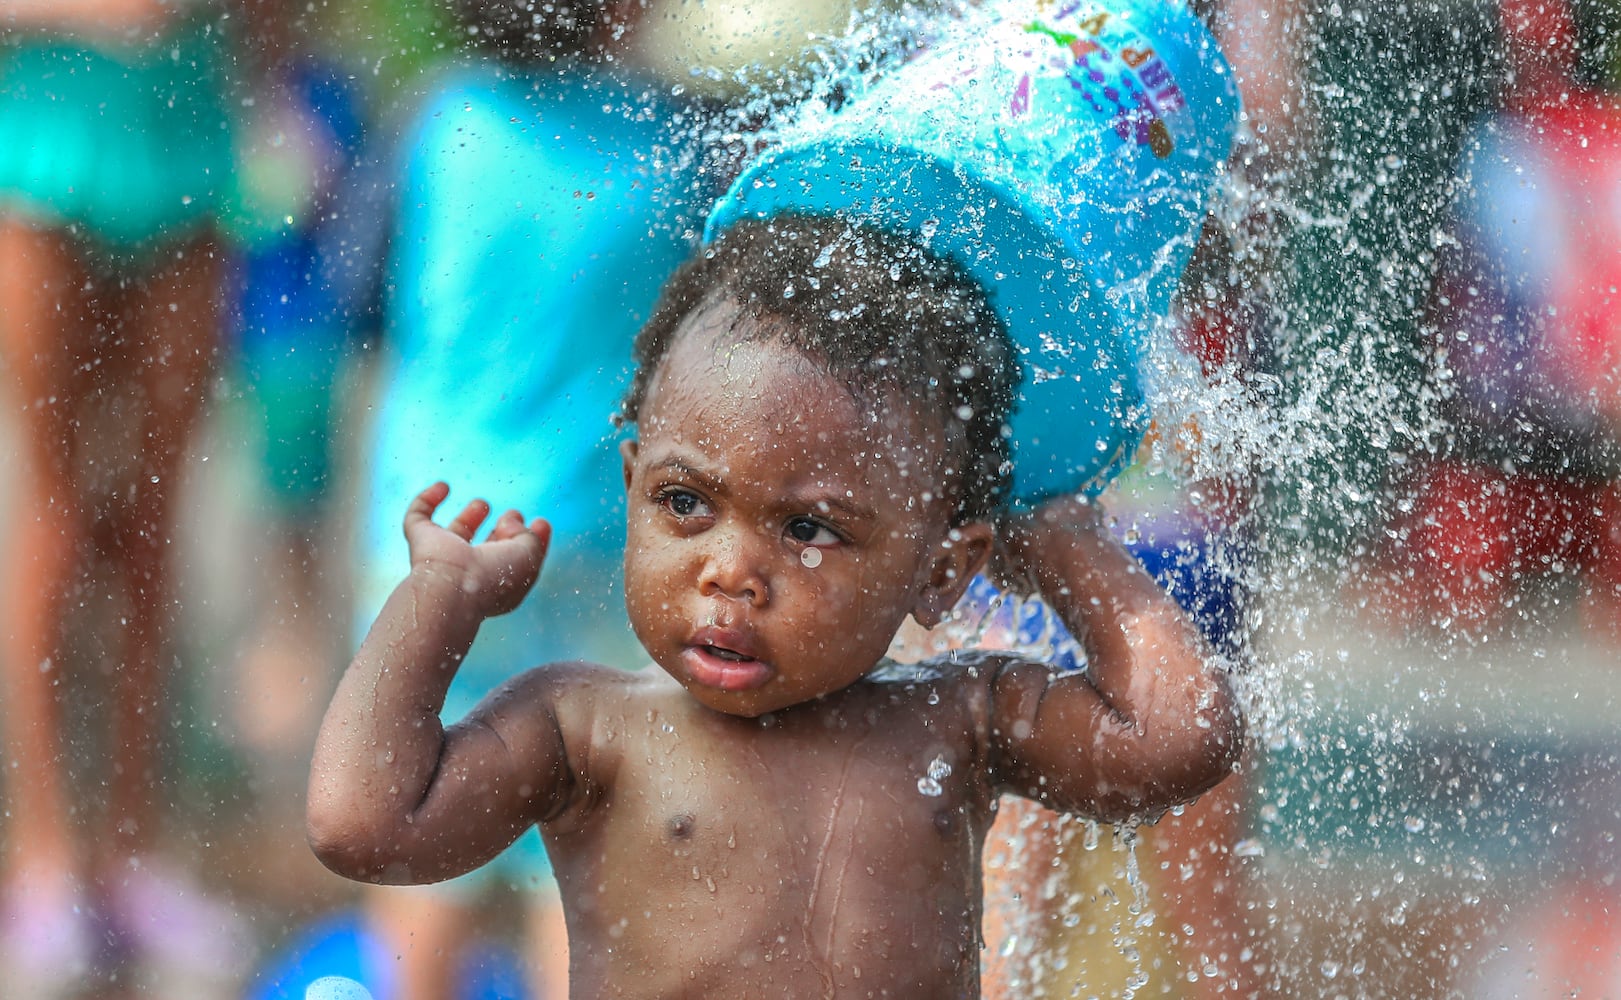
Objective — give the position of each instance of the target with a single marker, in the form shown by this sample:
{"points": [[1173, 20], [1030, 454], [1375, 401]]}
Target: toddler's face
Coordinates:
{"points": [[780, 529]]}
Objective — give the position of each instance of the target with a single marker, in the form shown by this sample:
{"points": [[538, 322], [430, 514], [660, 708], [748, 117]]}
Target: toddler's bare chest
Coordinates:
{"points": [[779, 859], [862, 811]]}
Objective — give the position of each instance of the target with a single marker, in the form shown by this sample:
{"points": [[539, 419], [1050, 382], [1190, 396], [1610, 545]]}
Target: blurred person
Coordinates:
{"points": [[306, 264], [1524, 491], [311, 235], [541, 199], [115, 166]]}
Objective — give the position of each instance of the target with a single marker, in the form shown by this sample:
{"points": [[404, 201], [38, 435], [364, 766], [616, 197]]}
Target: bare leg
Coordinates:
{"points": [[46, 336], [548, 948], [47, 333], [424, 933], [1020, 854], [1208, 889], [166, 357], [287, 659]]}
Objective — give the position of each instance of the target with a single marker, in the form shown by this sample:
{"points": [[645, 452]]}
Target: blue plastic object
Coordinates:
{"points": [[1063, 152], [339, 958]]}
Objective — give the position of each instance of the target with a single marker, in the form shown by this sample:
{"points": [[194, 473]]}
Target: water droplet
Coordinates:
{"points": [[811, 557]]}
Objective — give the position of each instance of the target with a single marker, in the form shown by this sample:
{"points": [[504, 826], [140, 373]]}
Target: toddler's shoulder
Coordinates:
{"points": [[586, 714], [581, 683]]}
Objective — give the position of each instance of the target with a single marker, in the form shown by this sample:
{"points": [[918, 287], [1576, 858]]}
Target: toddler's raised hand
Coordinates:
{"points": [[496, 573]]}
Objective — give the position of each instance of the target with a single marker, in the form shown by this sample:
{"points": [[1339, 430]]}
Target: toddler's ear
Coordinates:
{"points": [[627, 456], [958, 558]]}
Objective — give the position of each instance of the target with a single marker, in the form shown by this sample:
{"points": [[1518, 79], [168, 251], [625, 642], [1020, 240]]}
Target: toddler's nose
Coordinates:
{"points": [[733, 569]]}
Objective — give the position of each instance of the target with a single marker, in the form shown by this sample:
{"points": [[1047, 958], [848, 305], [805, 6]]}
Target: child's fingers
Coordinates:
{"points": [[465, 524], [511, 525], [508, 525], [425, 503]]}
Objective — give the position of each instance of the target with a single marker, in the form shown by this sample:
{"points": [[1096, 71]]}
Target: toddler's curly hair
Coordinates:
{"points": [[876, 311]]}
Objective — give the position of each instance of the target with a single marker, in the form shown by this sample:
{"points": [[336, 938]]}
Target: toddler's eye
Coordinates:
{"points": [[809, 532], [682, 503]]}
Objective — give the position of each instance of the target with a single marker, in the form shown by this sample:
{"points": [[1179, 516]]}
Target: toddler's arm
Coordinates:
{"points": [[1154, 722], [394, 796]]}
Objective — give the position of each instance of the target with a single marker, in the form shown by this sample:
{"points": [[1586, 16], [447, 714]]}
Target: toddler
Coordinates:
{"points": [[779, 810]]}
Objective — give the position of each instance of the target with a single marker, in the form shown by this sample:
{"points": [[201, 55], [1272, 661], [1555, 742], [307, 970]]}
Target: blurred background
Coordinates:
{"points": [[265, 266]]}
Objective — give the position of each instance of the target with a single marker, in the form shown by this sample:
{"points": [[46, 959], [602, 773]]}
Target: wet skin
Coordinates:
{"points": [[750, 459], [761, 817]]}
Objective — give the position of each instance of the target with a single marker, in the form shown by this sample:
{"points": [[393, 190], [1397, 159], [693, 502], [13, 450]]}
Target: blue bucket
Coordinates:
{"points": [[1063, 153]]}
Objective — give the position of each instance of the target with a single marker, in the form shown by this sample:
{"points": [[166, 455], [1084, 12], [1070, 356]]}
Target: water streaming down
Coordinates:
{"points": [[1430, 803], [1421, 754], [1138, 284]]}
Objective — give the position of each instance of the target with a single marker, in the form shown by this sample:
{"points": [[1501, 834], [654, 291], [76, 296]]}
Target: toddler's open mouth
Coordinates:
{"points": [[725, 659]]}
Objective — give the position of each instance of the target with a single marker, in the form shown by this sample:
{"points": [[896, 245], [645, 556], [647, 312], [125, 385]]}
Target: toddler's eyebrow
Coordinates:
{"points": [[848, 507], [685, 471]]}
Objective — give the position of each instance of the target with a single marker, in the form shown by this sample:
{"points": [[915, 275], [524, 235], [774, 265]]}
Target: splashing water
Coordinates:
{"points": [[1391, 747], [937, 771]]}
